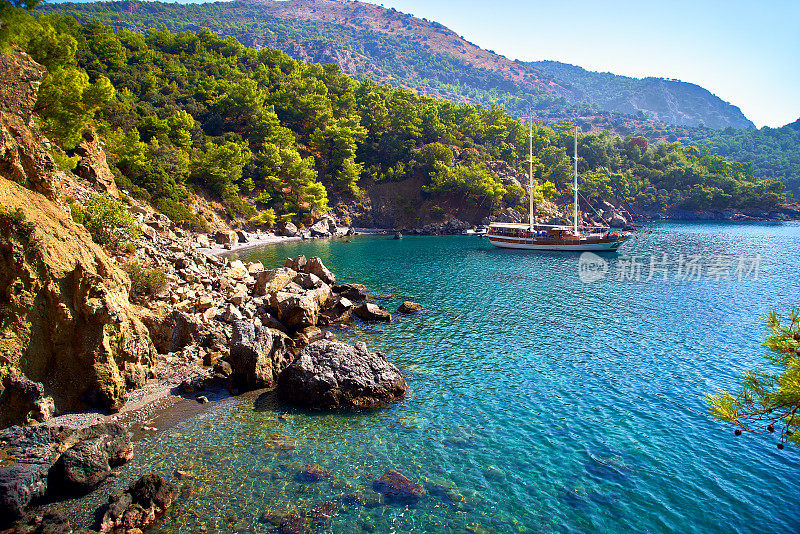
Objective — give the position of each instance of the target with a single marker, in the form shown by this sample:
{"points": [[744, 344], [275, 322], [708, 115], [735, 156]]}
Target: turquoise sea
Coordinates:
{"points": [[544, 403]]}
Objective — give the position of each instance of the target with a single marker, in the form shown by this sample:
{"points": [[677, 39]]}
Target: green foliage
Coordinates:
{"points": [[181, 215], [64, 162], [202, 111], [145, 282], [219, 167], [76, 212], [109, 222], [768, 401], [264, 218], [471, 180]]}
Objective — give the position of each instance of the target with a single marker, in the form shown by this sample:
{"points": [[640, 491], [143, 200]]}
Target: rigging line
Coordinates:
{"points": [[625, 200]]}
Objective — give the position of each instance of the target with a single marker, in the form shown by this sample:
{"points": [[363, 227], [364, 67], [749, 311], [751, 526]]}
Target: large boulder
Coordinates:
{"points": [[316, 267], [287, 228], [409, 307], [273, 280], [331, 374], [296, 311], [257, 355], [24, 401], [297, 263], [86, 464], [138, 508], [325, 226], [226, 238], [93, 165], [372, 312], [617, 221], [354, 292]]}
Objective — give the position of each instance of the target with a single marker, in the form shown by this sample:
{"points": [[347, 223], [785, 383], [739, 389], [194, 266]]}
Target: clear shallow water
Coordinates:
{"points": [[546, 404]]}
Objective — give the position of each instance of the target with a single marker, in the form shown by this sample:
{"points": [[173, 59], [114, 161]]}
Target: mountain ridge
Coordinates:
{"points": [[368, 40]]}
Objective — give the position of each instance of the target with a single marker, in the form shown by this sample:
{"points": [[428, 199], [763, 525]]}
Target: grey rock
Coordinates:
{"points": [[372, 312], [24, 401], [287, 229], [257, 355], [331, 374], [354, 292], [20, 485], [82, 467]]}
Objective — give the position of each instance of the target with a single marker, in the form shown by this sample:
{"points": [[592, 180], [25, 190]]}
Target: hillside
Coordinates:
{"points": [[369, 41], [201, 126], [670, 101]]}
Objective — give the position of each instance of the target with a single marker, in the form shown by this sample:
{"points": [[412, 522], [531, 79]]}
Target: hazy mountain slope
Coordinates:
{"points": [[671, 101], [367, 40]]}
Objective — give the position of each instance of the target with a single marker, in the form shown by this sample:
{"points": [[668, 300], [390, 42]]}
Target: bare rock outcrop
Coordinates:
{"points": [[22, 158], [68, 323], [331, 374], [93, 165]]}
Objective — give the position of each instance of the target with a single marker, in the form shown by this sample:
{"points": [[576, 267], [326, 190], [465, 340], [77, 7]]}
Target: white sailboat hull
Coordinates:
{"points": [[526, 244]]}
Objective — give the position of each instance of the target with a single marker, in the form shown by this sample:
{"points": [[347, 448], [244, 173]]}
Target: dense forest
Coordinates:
{"points": [[274, 138], [773, 152]]}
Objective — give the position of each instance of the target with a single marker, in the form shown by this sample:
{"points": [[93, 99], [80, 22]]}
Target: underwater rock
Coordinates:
{"points": [[398, 488], [294, 524], [323, 513], [373, 312], [139, 507], [331, 374], [409, 307], [312, 473], [279, 442]]}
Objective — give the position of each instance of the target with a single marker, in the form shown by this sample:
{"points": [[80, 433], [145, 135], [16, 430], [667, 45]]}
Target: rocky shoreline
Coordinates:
{"points": [[219, 328]]}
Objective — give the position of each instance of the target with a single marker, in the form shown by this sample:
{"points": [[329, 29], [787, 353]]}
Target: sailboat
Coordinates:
{"points": [[533, 236]]}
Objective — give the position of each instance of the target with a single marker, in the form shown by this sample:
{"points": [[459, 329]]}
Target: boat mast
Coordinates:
{"points": [[575, 186], [530, 169]]}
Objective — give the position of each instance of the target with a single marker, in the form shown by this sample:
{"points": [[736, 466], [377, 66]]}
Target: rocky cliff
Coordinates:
{"points": [[65, 318]]}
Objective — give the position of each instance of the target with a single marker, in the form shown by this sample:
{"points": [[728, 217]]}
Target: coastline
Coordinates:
{"points": [[256, 242]]}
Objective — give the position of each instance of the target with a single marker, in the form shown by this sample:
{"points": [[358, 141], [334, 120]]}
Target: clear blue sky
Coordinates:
{"points": [[745, 52]]}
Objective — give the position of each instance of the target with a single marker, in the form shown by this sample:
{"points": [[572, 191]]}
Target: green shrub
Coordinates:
{"points": [[76, 212], [264, 218], [64, 162], [145, 282], [181, 215], [109, 222]]}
